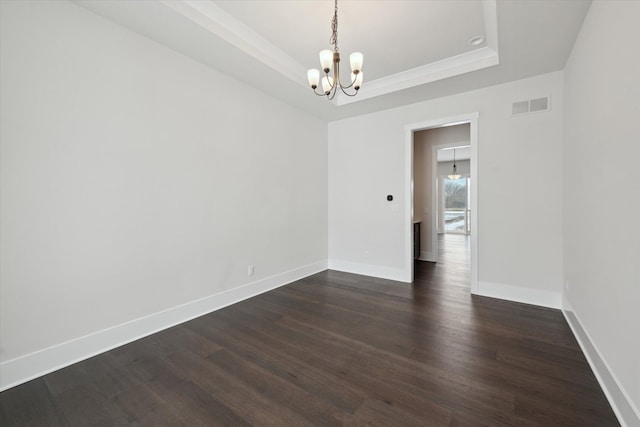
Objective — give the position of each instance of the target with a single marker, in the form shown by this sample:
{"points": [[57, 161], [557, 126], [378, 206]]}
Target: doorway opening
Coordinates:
{"points": [[423, 209]]}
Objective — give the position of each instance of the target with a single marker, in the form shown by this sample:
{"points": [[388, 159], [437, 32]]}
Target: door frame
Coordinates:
{"points": [[472, 119]]}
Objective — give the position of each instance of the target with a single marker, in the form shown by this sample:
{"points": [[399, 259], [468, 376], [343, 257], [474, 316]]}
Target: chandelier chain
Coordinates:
{"points": [[334, 28]]}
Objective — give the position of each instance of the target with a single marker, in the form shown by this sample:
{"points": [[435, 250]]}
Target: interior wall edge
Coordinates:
{"points": [[31, 366], [427, 256], [397, 274], [514, 293], [628, 415]]}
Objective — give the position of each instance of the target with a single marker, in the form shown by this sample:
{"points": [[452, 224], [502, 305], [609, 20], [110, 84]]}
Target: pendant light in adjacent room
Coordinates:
{"points": [[454, 174]]}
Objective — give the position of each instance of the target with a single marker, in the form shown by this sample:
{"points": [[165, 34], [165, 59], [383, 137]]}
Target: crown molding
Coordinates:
{"points": [[460, 64], [216, 20]]}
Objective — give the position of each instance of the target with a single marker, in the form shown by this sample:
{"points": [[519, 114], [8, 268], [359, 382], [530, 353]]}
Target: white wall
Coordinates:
{"points": [[602, 198], [519, 212], [135, 180]]}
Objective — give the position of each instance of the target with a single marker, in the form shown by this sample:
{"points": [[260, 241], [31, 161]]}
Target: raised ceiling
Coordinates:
{"points": [[414, 50], [366, 29]]}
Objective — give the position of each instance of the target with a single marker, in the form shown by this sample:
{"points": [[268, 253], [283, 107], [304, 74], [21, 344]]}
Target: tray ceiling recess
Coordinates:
{"points": [[405, 43]]}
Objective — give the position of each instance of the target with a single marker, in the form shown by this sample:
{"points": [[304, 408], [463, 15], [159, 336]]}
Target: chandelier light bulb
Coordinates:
{"points": [[327, 84], [356, 59], [326, 60], [314, 78]]}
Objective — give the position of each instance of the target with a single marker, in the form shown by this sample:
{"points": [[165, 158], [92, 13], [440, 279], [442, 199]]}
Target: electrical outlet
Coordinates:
{"points": [[250, 270]]}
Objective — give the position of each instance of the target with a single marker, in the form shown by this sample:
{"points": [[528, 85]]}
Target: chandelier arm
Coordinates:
{"points": [[336, 82], [350, 86], [336, 78], [339, 83], [347, 93]]}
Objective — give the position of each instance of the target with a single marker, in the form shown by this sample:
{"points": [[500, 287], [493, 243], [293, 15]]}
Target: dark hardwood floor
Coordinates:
{"points": [[337, 349]]}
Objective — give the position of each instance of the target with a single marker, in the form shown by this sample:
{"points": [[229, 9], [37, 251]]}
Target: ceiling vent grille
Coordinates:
{"points": [[530, 106]]}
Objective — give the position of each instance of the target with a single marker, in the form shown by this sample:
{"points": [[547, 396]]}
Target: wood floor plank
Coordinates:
{"points": [[199, 407], [30, 404], [144, 407], [316, 411], [96, 374], [308, 377], [374, 412], [437, 387], [337, 349], [81, 403], [243, 399], [342, 360], [180, 337]]}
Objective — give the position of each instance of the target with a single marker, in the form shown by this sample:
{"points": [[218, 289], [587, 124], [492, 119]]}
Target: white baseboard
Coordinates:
{"points": [[25, 368], [519, 294], [628, 415], [427, 256], [397, 274]]}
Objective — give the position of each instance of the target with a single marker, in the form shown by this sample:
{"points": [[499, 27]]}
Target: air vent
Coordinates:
{"points": [[530, 106], [520, 107]]}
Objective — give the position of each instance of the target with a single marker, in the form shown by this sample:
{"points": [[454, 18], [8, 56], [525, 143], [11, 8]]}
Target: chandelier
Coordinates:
{"points": [[330, 84]]}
